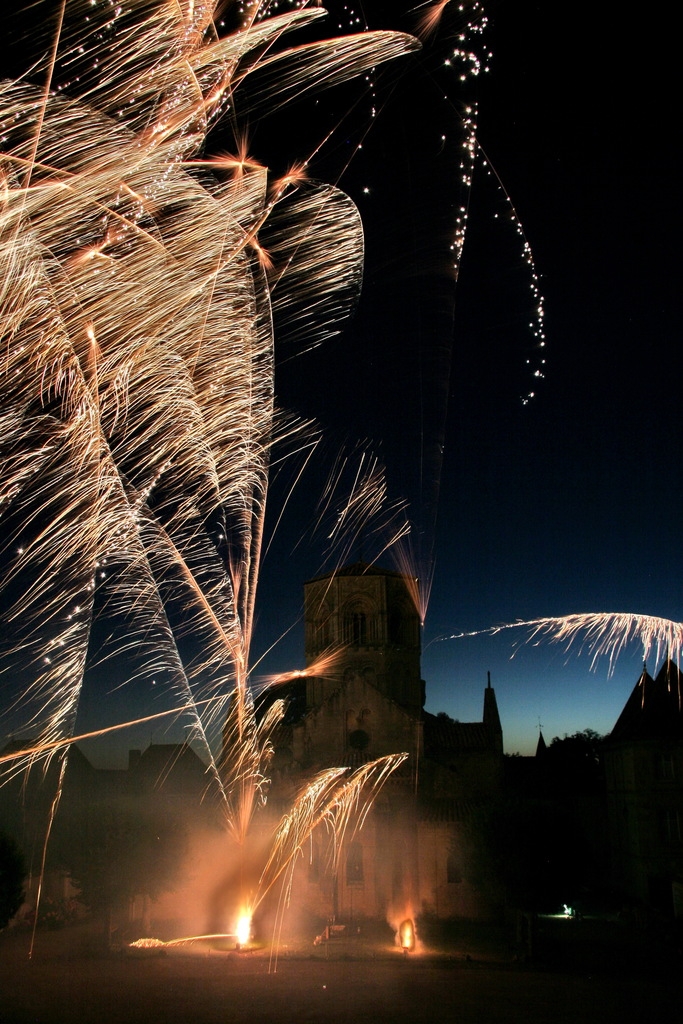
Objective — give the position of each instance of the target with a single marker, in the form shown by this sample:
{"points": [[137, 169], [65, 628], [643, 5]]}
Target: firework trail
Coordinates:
{"points": [[600, 634], [138, 285]]}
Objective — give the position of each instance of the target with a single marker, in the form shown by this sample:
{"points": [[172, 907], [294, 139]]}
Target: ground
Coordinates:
{"points": [[585, 975]]}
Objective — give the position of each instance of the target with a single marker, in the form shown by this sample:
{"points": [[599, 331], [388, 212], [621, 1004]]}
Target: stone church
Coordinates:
{"points": [[411, 856]]}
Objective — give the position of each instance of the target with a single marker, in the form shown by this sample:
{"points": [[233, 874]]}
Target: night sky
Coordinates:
{"points": [[569, 503]]}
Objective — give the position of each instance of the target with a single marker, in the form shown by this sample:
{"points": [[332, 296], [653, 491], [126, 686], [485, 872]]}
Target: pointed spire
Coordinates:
{"points": [[491, 716], [541, 746]]}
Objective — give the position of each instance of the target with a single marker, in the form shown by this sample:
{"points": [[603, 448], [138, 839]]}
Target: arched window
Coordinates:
{"points": [[359, 628], [357, 625]]}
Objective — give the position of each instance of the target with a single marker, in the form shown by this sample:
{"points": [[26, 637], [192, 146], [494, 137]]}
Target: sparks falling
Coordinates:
{"points": [[601, 634], [137, 422]]}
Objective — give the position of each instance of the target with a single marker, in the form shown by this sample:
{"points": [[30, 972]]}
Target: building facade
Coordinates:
{"points": [[364, 698], [644, 779]]}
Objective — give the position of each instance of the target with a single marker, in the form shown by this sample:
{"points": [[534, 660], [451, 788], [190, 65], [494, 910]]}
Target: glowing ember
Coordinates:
{"points": [[406, 935], [243, 929]]}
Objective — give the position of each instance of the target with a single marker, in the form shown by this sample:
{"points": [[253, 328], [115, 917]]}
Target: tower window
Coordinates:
{"points": [[356, 626], [359, 628]]}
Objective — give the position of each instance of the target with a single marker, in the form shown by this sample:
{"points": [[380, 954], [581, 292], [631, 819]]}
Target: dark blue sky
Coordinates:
{"points": [[571, 503]]}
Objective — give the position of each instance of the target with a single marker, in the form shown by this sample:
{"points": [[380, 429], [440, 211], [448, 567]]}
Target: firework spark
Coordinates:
{"points": [[601, 634], [138, 287], [137, 376]]}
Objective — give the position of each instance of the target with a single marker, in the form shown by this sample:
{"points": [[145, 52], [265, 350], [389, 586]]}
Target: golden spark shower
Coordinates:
{"points": [[140, 279]]}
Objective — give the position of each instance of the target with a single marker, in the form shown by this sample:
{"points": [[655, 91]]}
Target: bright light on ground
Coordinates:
{"points": [[244, 929]]}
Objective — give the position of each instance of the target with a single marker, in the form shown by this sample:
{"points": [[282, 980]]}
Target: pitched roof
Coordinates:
{"points": [[655, 709], [447, 737]]}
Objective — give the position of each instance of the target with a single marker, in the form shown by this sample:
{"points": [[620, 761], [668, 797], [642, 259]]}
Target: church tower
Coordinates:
{"points": [[364, 699], [368, 613]]}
